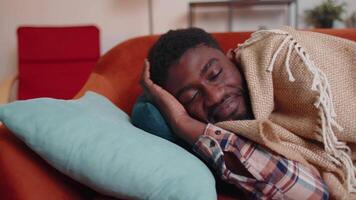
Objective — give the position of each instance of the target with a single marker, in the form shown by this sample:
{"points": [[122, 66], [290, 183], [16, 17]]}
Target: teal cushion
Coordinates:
{"points": [[93, 141], [147, 117]]}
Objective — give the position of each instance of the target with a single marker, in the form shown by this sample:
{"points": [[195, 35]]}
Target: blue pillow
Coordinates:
{"points": [[147, 117], [93, 141]]}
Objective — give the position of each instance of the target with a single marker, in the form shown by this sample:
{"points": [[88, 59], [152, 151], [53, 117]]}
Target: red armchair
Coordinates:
{"points": [[54, 61], [24, 175]]}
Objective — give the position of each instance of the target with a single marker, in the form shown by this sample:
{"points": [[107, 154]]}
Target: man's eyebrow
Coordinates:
{"points": [[207, 66]]}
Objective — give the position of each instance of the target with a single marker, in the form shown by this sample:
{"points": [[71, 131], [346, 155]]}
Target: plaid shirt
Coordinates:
{"points": [[275, 177]]}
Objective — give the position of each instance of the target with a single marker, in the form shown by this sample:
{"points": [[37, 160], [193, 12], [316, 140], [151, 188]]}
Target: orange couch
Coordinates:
{"points": [[24, 175]]}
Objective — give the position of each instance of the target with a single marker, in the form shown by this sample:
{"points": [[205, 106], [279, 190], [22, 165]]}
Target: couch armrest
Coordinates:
{"points": [[5, 89]]}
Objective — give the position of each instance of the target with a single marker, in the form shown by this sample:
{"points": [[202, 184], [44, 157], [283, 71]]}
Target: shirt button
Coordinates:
{"points": [[217, 132], [212, 143]]}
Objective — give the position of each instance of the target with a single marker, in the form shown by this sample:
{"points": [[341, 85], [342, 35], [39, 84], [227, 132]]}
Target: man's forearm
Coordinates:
{"points": [[189, 129]]}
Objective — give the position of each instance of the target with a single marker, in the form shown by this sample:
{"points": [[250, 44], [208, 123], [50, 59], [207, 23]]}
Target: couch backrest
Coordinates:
{"points": [[117, 73]]}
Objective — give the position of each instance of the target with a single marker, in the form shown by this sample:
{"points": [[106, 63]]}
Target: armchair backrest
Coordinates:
{"points": [[117, 73], [55, 61]]}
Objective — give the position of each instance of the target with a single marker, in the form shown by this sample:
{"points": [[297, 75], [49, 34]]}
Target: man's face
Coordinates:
{"points": [[209, 86]]}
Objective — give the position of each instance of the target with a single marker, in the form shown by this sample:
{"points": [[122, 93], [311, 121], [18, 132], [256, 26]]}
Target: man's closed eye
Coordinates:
{"points": [[215, 75], [189, 97]]}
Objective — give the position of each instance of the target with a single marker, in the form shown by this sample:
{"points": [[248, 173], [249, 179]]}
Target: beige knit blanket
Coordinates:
{"points": [[303, 94]]}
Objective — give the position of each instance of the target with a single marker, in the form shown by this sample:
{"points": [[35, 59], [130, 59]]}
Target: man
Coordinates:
{"points": [[194, 85]]}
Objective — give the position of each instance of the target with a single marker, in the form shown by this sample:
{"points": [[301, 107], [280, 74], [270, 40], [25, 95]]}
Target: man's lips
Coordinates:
{"points": [[228, 107]]}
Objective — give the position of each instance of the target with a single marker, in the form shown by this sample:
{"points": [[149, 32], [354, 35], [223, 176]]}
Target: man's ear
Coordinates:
{"points": [[230, 54], [233, 56]]}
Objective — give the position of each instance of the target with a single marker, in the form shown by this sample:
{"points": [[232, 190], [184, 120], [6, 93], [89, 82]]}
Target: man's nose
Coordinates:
{"points": [[214, 94]]}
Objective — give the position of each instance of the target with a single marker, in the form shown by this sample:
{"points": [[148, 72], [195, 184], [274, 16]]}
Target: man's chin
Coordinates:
{"points": [[222, 119]]}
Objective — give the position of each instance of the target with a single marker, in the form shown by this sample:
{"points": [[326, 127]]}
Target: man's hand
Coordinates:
{"points": [[170, 107], [174, 112]]}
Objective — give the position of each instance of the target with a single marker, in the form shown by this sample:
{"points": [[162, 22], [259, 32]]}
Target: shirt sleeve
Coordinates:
{"points": [[275, 177]]}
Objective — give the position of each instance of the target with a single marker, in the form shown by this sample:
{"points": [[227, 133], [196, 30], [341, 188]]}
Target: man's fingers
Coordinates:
{"points": [[146, 70], [146, 74], [149, 87], [153, 90], [145, 77]]}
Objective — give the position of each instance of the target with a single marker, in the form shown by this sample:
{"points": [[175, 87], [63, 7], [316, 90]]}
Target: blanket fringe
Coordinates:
{"points": [[338, 152]]}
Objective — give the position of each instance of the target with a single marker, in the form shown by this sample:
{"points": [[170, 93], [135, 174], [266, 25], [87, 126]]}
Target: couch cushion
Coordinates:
{"points": [[147, 117], [93, 142]]}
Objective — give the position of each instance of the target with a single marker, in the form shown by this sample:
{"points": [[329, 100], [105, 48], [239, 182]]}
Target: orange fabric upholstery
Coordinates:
{"points": [[23, 175]]}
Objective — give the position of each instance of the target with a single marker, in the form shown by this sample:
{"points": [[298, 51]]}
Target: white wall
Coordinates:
{"points": [[122, 19]]}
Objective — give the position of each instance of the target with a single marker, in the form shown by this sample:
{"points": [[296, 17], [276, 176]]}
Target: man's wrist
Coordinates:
{"points": [[189, 129]]}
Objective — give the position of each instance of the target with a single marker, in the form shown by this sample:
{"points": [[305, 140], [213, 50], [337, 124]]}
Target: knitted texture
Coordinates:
{"points": [[302, 88]]}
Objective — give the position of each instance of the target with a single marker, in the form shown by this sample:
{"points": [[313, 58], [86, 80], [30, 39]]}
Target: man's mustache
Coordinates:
{"points": [[213, 111]]}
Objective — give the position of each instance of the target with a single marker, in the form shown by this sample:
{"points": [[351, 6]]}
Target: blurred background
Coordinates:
{"points": [[119, 20]]}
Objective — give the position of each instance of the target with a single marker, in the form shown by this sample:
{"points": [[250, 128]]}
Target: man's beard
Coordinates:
{"points": [[248, 114]]}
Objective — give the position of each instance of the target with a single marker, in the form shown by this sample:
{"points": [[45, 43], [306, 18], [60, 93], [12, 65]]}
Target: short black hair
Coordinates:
{"points": [[171, 46]]}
